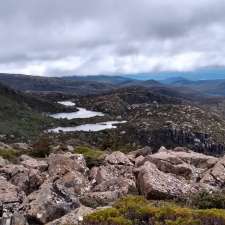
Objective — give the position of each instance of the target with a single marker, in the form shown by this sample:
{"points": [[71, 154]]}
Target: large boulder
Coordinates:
{"points": [[75, 217], [97, 199], [215, 176], [49, 203], [155, 184], [118, 158], [181, 162], [109, 182], [21, 146], [11, 198], [13, 219], [140, 152], [60, 164], [196, 159], [32, 163], [67, 180], [73, 183], [3, 162], [4, 146], [101, 174], [9, 193], [26, 180]]}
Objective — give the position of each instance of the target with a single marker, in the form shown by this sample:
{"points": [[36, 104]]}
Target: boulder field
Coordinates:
{"points": [[61, 189]]}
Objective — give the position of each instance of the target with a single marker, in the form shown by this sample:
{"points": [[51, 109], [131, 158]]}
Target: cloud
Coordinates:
{"points": [[69, 37]]}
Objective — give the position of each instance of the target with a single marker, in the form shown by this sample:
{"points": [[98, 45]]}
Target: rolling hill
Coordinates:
{"points": [[20, 114]]}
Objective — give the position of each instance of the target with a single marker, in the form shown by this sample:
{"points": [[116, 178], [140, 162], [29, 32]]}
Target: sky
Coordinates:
{"points": [[89, 37]]}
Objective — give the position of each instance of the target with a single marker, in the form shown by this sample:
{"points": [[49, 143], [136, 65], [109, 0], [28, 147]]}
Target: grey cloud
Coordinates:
{"points": [[110, 36]]}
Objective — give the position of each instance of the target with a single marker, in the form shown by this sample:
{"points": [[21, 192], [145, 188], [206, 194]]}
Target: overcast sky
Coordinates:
{"points": [[67, 37]]}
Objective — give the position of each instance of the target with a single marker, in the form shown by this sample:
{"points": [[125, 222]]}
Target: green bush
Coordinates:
{"points": [[134, 210], [93, 157], [206, 200], [9, 154], [107, 216]]}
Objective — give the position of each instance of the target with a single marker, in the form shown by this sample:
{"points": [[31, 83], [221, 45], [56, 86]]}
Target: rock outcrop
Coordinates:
{"points": [[49, 203], [155, 184], [62, 189], [75, 217], [110, 181]]}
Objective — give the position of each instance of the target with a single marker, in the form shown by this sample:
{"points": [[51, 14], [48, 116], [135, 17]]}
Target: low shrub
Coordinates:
{"points": [[206, 200], [93, 157], [9, 154], [134, 210]]}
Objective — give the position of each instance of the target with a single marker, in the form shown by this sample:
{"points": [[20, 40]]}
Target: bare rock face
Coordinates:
{"points": [[75, 217], [155, 184], [49, 203], [118, 158]]}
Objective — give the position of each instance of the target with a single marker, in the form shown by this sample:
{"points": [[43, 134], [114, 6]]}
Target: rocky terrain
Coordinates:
{"points": [[61, 189], [92, 178], [156, 119]]}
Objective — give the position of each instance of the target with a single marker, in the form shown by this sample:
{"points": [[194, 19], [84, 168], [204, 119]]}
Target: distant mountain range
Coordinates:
{"points": [[207, 73], [88, 85]]}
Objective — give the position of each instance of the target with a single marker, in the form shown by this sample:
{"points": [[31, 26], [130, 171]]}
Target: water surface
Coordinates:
{"points": [[67, 103], [82, 113], [88, 127]]}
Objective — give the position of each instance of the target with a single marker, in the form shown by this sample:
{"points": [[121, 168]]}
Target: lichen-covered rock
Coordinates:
{"points": [[49, 203], [109, 172], [3, 162], [155, 184], [60, 164], [109, 182], [11, 198], [13, 219], [21, 146], [4, 146], [35, 164], [141, 152], [181, 162], [75, 217], [74, 183], [118, 158], [26, 180], [9, 193], [216, 175], [97, 199]]}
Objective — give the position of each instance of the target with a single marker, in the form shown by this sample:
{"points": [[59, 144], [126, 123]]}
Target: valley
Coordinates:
{"points": [[64, 154]]}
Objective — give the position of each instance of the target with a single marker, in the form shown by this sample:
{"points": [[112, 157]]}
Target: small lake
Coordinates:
{"points": [[67, 103], [88, 127], [82, 113]]}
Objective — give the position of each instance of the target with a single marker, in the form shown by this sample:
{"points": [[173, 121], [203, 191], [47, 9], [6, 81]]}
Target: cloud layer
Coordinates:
{"points": [[56, 37]]}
